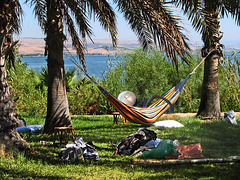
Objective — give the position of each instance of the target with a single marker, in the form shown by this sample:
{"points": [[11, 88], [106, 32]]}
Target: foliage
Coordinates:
{"points": [[43, 80], [24, 82], [70, 79], [85, 98], [45, 163], [230, 85], [189, 98]]}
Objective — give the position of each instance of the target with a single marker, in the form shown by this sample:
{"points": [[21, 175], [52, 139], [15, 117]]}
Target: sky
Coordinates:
{"points": [[231, 37]]}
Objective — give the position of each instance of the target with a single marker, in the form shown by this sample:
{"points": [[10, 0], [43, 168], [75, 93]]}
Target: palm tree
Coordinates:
{"points": [[205, 18], [10, 140], [150, 20], [53, 16]]}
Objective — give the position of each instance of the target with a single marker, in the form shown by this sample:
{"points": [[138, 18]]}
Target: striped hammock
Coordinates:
{"points": [[149, 114]]}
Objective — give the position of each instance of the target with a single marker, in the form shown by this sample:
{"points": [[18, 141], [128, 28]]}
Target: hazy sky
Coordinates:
{"points": [[231, 30]]}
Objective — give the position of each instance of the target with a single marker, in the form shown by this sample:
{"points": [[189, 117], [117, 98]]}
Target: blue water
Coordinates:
{"points": [[96, 64]]}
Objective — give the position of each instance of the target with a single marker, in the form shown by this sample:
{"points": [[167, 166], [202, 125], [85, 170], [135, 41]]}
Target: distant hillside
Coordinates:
{"points": [[35, 46]]}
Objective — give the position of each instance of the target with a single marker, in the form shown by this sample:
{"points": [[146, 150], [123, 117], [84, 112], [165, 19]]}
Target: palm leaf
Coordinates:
{"points": [[84, 29], [40, 11], [154, 23], [105, 15], [132, 14]]}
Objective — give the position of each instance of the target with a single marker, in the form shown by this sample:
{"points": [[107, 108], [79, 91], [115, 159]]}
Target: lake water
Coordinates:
{"points": [[96, 64]]}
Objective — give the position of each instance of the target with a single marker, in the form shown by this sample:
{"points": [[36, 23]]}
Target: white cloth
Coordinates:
{"points": [[168, 124]]}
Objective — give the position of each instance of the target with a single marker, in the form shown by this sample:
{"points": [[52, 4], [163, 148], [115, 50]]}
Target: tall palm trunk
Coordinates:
{"points": [[57, 107], [10, 140], [210, 101]]}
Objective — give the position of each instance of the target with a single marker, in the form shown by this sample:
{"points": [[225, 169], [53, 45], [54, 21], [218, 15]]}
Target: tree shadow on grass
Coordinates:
{"points": [[17, 174]]}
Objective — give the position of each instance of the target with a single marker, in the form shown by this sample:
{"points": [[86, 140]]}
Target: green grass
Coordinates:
{"points": [[218, 139]]}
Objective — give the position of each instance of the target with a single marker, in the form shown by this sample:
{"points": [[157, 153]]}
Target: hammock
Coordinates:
{"points": [[145, 115], [149, 114]]}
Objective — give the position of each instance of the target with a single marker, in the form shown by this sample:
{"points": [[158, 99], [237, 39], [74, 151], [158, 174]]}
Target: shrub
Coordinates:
{"points": [[229, 83], [85, 98], [31, 101]]}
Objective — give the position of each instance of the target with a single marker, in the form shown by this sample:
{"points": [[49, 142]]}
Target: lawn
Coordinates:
{"points": [[218, 140]]}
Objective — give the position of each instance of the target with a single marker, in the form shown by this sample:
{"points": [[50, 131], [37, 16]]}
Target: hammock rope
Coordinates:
{"points": [[194, 70], [144, 115]]}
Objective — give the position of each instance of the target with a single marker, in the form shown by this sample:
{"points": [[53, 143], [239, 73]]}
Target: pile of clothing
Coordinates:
{"points": [[146, 144], [79, 150]]}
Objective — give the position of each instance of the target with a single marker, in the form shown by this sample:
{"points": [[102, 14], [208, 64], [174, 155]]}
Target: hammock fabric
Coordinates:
{"points": [[149, 114]]}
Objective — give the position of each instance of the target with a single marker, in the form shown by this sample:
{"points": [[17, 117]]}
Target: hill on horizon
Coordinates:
{"points": [[36, 46]]}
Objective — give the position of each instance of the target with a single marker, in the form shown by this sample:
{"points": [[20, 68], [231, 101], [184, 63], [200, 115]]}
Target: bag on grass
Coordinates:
{"points": [[79, 150], [230, 117], [163, 149], [134, 141], [189, 151]]}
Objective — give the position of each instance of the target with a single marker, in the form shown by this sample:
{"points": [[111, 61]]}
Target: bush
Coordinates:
{"points": [[85, 98], [31, 100], [229, 83]]}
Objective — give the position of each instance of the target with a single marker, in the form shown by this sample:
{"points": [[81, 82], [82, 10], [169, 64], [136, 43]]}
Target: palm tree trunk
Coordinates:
{"points": [[10, 140], [57, 104], [210, 100]]}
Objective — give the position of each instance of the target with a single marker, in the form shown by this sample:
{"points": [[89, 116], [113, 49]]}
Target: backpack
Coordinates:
{"points": [[135, 141]]}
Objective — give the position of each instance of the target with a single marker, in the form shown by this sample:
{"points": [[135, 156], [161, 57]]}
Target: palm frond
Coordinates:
{"points": [[76, 42], [11, 15], [194, 11], [105, 15], [17, 13], [133, 15], [156, 22], [40, 11], [82, 11], [10, 51], [78, 11], [231, 7]]}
